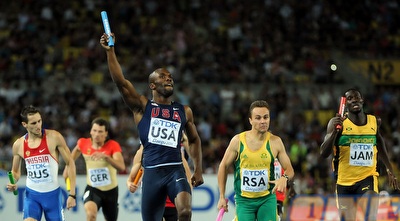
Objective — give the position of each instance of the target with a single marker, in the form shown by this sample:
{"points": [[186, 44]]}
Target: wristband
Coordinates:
{"points": [[286, 176], [73, 196]]}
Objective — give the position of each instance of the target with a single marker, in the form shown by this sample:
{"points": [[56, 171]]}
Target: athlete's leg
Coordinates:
{"points": [[268, 209], [32, 209], [279, 208], [246, 209], [91, 210], [170, 214], [153, 193], [53, 206], [346, 203], [369, 201], [92, 203], [179, 191], [183, 203], [110, 204]]}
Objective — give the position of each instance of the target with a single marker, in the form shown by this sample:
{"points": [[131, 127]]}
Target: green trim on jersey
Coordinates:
{"points": [[259, 161]]}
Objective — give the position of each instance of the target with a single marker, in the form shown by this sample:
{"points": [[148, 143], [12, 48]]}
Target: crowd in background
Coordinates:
{"points": [[223, 54]]}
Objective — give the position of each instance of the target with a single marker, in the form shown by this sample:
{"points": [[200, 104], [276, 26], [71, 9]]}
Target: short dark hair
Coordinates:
{"points": [[26, 111], [352, 89], [102, 122], [258, 103]]}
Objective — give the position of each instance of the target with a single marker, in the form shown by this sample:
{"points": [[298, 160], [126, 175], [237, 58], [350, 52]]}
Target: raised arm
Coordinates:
{"points": [[132, 98], [195, 150]]}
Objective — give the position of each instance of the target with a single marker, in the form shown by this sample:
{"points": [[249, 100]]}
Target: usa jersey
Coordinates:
{"points": [[160, 131]]}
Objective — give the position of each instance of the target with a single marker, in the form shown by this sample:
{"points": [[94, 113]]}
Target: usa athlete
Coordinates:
{"points": [[160, 123]]}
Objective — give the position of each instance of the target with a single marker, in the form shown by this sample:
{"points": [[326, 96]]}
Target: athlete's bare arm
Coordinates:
{"points": [[132, 98], [136, 165], [195, 151], [284, 160], [16, 163], [230, 156], [62, 148], [116, 160], [76, 152], [329, 139], [282, 156], [383, 155]]}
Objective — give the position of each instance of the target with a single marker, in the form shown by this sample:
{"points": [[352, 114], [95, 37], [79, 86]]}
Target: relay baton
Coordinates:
{"points": [[137, 177], [107, 29], [341, 110], [68, 184], [12, 181], [221, 213]]}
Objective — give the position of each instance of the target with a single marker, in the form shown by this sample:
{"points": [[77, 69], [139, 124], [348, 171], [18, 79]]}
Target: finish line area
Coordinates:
{"points": [[323, 208]]}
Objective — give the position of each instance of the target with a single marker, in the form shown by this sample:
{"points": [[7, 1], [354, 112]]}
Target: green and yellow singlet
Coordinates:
{"points": [[253, 169], [357, 153]]}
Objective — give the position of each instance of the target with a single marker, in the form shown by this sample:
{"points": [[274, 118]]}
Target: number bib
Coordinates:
{"points": [[164, 132], [39, 173], [38, 169], [99, 177], [254, 180], [361, 154]]}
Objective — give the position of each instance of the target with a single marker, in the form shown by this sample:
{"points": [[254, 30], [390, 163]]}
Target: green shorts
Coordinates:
{"points": [[260, 209]]}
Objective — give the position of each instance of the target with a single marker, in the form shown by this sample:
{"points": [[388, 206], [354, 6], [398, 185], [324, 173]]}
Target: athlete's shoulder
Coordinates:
{"points": [[236, 138], [50, 132], [177, 104], [83, 141], [113, 143], [274, 137], [375, 117], [18, 142]]}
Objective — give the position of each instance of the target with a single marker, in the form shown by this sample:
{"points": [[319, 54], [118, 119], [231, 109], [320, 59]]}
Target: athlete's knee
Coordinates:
{"points": [[185, 214], [91, 210], [91, 215]]}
